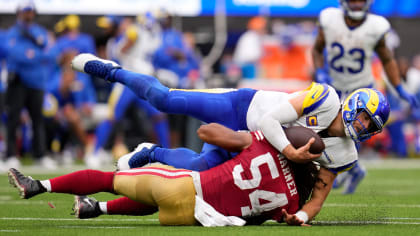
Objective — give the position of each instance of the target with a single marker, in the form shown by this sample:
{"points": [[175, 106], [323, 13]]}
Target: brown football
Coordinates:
{"points": [[299, 136]]}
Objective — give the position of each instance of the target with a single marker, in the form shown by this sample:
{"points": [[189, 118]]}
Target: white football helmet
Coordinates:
{"points": [[356, 11]]}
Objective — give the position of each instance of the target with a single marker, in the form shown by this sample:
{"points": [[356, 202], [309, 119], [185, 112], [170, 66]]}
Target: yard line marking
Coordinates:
{"points": [[400, 218], [74, 219], [366, 222], [98, 227], [372, 205], [9, 230]]}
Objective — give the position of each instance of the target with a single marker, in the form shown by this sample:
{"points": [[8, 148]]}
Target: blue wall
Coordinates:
{"points": [[309, 8]]}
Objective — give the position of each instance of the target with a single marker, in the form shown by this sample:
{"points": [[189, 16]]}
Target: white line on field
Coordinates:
{"points": [[372, 205], [9, 230], [155, 220], [400, 218], [366, 223], [97, 227], [73, 219]]}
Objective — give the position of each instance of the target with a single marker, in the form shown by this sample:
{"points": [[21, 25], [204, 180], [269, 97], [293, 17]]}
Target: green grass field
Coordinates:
{"points": [[386, 203]]}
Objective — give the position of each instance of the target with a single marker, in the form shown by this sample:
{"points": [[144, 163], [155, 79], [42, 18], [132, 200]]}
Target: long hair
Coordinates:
{"points": [[306, 175]]}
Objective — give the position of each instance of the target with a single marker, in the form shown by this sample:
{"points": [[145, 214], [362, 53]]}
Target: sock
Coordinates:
{"points": [[179, 158], [46, 184], [103, 207], [83, 182], [162, 131], [126, 206]]}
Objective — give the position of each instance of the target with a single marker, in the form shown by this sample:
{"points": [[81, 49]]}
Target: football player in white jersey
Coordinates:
{"points": [[350, 36], [318, 107]]}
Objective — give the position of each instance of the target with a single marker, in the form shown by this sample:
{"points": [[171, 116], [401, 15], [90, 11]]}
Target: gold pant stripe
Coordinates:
{"points": [[171, 191]]}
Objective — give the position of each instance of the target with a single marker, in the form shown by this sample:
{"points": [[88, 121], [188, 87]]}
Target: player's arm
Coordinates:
{"points": [[317, 50], [392, 72], [321, 190], [388, 62], [224, 137], [271, 126]]}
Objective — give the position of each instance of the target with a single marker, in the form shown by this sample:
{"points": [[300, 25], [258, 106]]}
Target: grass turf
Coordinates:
{"points": [[386, 203]]}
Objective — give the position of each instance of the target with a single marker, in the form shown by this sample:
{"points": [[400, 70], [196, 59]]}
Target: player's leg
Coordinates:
{"points": [[87, 207], [184, 158], [355, 176], [159, 120], [170, 189], [227, 107], [82, 182], [118, 102]]}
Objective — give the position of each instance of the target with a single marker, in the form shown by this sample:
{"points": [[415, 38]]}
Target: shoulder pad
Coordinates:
{"points": [[317, 94]]}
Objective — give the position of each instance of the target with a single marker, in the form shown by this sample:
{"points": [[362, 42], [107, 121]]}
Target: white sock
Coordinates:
{"points": [[103, 207], [46, 184]]}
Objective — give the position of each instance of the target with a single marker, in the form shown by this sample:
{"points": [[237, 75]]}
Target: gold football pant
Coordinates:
{"points": [[171, 190]]}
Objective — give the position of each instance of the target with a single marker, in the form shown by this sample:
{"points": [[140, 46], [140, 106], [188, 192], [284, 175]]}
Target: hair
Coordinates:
{"points": [[305, 175]]}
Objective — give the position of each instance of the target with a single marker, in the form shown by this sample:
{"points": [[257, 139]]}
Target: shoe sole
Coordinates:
{"points": [[15, 183]]}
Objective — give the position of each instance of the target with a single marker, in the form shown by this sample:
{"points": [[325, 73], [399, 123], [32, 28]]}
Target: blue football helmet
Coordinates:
{"points": [[374, 104], [355, 10]]}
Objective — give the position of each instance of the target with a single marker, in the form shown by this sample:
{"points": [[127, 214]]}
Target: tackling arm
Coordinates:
{"points": [[321, 190], [270, 125], [224, 137]]}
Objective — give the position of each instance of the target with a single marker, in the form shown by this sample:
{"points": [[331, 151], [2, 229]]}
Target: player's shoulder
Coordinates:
{"points": [[377, 23], [328, 15], [319, 95]]}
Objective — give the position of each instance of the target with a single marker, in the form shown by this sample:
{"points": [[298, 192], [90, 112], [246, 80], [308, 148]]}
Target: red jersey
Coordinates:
{"points": [[256, 182]]}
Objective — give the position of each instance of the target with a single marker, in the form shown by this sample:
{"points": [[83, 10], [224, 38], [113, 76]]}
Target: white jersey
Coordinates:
{"points": [[138, 57], [318, 114], [350, 50]]}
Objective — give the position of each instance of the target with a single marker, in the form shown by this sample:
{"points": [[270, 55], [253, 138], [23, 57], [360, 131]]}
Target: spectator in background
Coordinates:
{"points": [[249, 49], [132, 44], [177, 66], [70, 36], [3, 75], [173, 55], [27, 79], [71, 99], [413, 85]]}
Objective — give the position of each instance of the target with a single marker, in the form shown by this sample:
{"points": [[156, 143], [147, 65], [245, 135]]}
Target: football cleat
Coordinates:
{"points": [[26, 186], [353, 180], [137, 158], [85, 207], [95, 66]]}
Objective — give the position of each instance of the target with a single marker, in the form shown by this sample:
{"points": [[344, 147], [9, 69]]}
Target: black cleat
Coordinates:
{"points": [[85, 207], [26, 186]]}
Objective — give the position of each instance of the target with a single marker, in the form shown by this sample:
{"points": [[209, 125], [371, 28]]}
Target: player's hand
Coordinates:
{"points": [[302, 154], [322, 76], [410, 98], [292, 219]]}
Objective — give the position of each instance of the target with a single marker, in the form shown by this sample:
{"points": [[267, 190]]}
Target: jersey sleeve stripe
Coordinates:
{"points": [[342, 168], [318, 93]]}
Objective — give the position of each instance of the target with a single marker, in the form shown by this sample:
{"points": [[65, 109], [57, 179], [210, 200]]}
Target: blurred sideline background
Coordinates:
{"points": [[207, 58]]}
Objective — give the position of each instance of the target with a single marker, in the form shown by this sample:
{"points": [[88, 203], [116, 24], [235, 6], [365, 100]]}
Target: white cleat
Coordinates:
{"points": [[122, 163], [93, 65]]}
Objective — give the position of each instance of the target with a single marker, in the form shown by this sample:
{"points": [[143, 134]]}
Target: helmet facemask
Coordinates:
{"points": [[356, 11]]}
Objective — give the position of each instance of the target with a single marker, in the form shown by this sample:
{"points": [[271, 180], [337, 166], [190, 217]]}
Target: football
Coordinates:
{"points": [[299, 136]]}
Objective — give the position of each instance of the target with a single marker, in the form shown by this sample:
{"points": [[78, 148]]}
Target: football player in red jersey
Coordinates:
{"points": [[258, 184]]}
